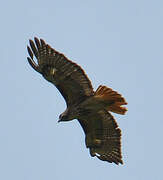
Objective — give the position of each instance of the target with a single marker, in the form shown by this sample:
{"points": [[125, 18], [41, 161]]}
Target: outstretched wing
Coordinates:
{"points": [[103, 137], [68, 77]]}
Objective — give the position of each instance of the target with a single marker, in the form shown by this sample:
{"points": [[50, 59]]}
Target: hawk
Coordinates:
{"points": [[91, 108]]}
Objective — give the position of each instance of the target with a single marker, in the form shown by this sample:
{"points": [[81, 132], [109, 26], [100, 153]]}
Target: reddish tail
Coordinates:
{"points": [[112, 100]]}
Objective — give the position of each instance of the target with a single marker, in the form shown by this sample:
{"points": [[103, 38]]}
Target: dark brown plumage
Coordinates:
{"points": [[91, 109]]}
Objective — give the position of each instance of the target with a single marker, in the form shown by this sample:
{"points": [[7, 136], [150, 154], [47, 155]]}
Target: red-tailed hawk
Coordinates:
{"points": [[90, 108]]}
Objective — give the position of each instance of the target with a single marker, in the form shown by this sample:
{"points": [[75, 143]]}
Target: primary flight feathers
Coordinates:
{"points": [[91, 109]]}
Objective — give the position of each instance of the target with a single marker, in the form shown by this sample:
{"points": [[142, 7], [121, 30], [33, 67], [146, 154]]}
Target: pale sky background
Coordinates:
{"points": [[119, 43]]}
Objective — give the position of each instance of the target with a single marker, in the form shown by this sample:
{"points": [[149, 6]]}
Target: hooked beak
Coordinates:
{"points": [[59, 120]]}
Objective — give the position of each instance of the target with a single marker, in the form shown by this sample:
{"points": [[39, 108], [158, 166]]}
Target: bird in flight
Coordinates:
{"points": [[91, 108]]}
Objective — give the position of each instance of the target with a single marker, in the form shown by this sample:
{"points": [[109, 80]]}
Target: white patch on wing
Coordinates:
{"points": [[53, 71], [97, 154]]}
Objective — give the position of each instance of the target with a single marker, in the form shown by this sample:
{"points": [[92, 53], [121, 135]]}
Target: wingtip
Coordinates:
{"points": [[30, 41], [36, 38], [42, 42], [37, 41], [30, 52], [33, 64]]}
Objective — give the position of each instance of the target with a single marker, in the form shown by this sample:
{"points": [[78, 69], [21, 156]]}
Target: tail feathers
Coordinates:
{"points": [[113, 100], [117, 109]]}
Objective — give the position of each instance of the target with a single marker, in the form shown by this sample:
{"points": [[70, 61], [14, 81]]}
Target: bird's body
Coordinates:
{"points": [[91, 109]]}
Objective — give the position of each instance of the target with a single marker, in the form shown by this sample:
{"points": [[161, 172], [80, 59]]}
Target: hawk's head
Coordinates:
{"points": [[66, 116]]}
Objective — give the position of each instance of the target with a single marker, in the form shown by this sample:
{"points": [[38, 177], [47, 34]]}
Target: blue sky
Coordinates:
{"points": [[118, 44]]}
